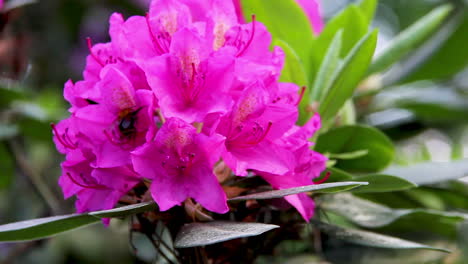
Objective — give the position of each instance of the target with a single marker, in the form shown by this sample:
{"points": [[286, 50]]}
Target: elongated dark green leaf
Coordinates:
{"points": [[353, 24], [43, 227], [125, 210], [383, 183], [347, 77], [201, 234], [410, 39], [372, 215], [370, 239], [316, 188], [349, 139], [327, 69], [292, 27], [49, 226], [431, 172], [450, 58]]}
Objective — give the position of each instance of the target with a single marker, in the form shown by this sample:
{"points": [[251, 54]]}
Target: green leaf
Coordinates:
{"points": [[370, 239], [327, 69], [372, 215], [337, 175], [368, 8], [349, 139], [409, 39], [201, 234], [348, 76], [428, 101], [125, 210], [431, 172], [353, 24], [383, 183], [450, 58], [316, 188], [293, 70], [285, 20], [350, 155], [45, 227], [7, 164], [9, 95]]}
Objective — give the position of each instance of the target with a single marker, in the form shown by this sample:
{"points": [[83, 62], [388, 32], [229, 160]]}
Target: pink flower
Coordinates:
{"points": [[96, 188], [180, 164], [170, 95], [255, 121], [190, 81]]}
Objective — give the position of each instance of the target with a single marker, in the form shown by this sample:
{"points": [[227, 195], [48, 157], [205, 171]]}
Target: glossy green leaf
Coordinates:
{"points": [[293, 70], [370, 239], [353, 24], [316, 188], [201, 234], [349, 139], [347, 77], [327, 69], [410, 39], [45, 227], [125, 210], [450, 58], [383, 183], [368, 8], [431, 172], [285, 20], [337, 175], [372, 215], [349, 155]]}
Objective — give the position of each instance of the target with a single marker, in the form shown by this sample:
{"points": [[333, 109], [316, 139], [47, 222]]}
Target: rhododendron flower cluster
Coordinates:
{"points": [[175, 93]]}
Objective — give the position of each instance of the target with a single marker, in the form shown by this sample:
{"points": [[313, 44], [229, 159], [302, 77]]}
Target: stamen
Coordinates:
{"points": [[301, 95], [250, 39], [96, 187], [90, 48], [66, 142], [153, 37], [160, 116], [266, 132], [325, 178]]}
